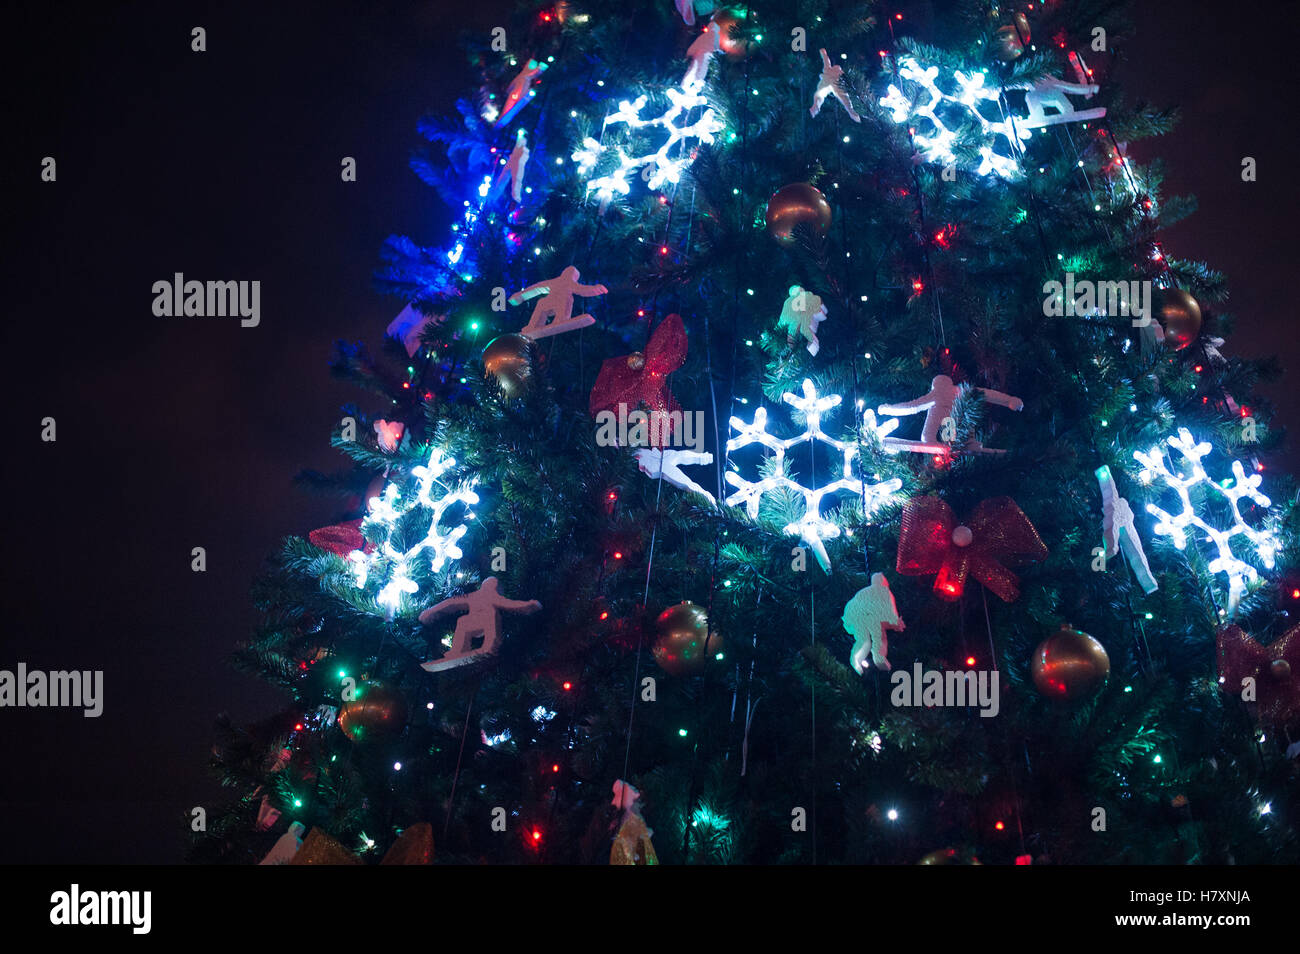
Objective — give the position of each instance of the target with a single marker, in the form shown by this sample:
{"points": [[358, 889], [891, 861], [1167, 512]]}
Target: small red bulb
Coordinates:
{"points": [[555, 768], [568, 686], [406, 385], [970, 660], [298, 727], [605, 615], [1000, 826], [1295, 594], [618, 554], [537, 835], [663, 249]]}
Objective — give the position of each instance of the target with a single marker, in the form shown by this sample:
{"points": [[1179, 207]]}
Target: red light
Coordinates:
{"points": [[918, 286], [618, 554], [428, 395], [298, 727], [640, 312], [555, 768], [612, 495], [663, 200], [568, 686], [537, 835], [406, 385], [1198, 369], [1295, 594], [898, 16], [605, 615], [970, 660], [1000, 826], [663, 249]]}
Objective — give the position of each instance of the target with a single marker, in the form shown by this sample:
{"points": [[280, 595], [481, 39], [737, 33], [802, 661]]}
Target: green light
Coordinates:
{"points": [[718, 656], [343, 674], [410, 370], [473, 326], [1128, 688], [1150, 616], [1157, 760], [682, 733], [1105, 423], [297, 803]]}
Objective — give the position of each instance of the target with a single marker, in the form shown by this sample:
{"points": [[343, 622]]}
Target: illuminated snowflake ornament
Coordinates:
{"points": [[920, 98], [441, 544], [678, 135], [812, 528], [1231, 491]]}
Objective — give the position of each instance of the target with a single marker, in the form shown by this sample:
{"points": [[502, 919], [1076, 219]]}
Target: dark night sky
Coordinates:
{"points": [[175, 434]]}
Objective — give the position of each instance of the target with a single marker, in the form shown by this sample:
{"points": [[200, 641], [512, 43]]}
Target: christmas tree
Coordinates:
{"points": [[649, 556]]}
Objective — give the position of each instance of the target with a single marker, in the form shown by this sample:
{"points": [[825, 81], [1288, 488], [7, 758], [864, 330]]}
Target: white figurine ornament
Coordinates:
{"points": [[800, 315], [553, 314], [513, 168], [687, 9], [867, 618], [286, 846], [700, 53], [1119, 532], [828, 84], [520, 92], [937, 405], [1050, 92], [482, 618], [409, 325], [666, 463]]}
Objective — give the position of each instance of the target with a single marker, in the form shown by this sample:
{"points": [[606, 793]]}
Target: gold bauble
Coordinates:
{"points": [[734, 47], [949, 856], [1011, 40], [1069, 665], [797, 204], [1181, 316], [509, 361], [683, 643], [377, 713]]}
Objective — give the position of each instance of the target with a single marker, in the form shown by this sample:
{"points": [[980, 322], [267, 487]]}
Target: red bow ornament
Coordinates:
{"points": [[641, 378], [342, 538], [1275, 669], [996, 533]]}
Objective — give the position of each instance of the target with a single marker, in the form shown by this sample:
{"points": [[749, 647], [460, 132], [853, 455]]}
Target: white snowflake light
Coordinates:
{"points": [[389, 508], [946, 112], [667, 162], [1175, 526], [812, 528]]}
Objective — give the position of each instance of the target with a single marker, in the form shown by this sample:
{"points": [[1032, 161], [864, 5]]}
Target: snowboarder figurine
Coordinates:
{"points": [[554, 313], [828, 84], [667, 463], [482, 617], [687, 9], [937, 405], [867, 617], [700, 53], [800, 315], [286, 846], [513, 168], [1051, 92]]}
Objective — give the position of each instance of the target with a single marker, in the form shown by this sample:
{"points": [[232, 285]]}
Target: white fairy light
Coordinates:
{"points": [[959, 107], [812, 528], [1175, 526], [390, 507], [659, 167]]}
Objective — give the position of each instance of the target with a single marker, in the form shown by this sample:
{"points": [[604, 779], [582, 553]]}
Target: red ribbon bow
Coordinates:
{"points": [[1275, 669], [642, 378], [341, 538], [996, 532]]}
